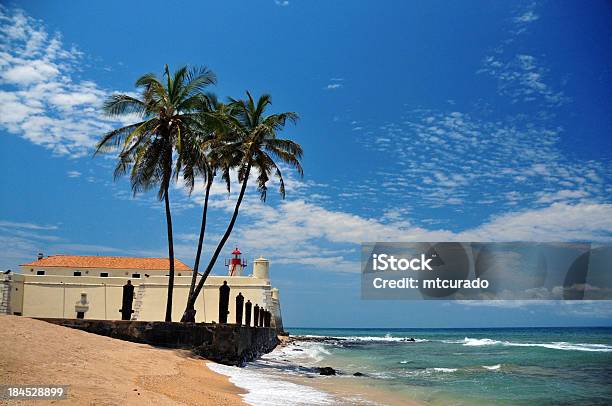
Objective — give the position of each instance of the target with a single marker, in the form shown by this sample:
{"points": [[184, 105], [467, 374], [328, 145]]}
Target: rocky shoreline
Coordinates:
{"points": [[295, 341]]}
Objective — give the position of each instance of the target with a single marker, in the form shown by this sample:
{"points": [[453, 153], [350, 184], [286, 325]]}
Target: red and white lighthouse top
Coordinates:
{"points": [[236, 251]]}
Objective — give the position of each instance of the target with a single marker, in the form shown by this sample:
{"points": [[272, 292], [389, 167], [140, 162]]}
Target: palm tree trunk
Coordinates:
{"points": [[189, 315], [194, 296], [170, 255]]}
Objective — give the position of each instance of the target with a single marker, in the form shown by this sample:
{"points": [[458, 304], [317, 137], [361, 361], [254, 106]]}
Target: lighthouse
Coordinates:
{"points": [[236, 264]]}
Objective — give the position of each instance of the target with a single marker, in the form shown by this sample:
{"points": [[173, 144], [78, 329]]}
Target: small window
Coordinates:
{"points": [[104, 274], [17, 313], [77, 273], [135, 275], [40, 272]]}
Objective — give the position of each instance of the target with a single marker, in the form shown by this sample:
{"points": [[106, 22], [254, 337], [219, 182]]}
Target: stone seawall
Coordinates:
{"points": [[5, 294], [228, 344]]}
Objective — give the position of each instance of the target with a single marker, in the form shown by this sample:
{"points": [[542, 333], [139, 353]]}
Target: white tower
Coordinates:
{"points": [[261, 268]]}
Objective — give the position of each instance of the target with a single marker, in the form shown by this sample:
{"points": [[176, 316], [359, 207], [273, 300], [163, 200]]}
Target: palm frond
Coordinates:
{"points": [[151, 85], [196, 80], [263, 101], [287, 146], [288, 158], [122, 104], [278, 121], [114, 138]]}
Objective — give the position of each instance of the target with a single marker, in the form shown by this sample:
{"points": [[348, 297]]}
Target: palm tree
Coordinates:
{"points": [[251, 143], [166, 110], [203, 161]]}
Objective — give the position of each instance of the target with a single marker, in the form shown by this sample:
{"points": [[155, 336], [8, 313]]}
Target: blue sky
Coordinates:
{"points": [[473, 121]]}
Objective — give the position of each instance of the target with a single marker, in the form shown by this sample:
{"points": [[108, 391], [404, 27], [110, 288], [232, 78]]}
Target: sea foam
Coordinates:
{"points": [[442, 369], [558, 345], [264, 390], [311, 353], [386, 338]]}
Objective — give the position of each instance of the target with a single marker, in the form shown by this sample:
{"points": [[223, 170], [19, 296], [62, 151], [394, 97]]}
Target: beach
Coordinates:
{"points": [[105, 371], [513, 366]]}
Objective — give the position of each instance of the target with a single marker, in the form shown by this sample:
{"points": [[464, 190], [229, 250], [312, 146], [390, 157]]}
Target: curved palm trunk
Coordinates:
{"points": [[230, 227], [189, 315], [170, 256]]}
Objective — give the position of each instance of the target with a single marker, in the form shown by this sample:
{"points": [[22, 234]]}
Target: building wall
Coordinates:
{"points": [[95, 272], [55, 296]]}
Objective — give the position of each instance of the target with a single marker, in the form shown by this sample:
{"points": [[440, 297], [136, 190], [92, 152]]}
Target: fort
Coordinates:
{"points": [[237, 316], [54, 286]]}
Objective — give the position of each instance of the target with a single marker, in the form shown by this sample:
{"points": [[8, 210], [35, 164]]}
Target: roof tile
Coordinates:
{"points": [[83, 261]]}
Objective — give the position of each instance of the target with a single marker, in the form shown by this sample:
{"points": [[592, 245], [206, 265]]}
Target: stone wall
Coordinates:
{"points": [[5, 294], [229, 344]]}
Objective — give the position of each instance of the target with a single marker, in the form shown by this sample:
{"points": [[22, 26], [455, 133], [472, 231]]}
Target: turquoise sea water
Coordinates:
{"points": [[518, 366]]}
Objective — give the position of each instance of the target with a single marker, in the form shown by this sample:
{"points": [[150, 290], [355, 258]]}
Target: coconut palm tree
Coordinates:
{"points": [[209, 131], [166, 110], [251, 145]]}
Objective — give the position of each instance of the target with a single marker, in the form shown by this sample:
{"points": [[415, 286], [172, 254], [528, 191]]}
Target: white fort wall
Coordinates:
{"points": [[55, 295]]}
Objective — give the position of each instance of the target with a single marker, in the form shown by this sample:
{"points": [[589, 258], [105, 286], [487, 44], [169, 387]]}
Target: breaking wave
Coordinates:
{"points": [[386, 338], [266, 390], [558, 345], [442, 369]]}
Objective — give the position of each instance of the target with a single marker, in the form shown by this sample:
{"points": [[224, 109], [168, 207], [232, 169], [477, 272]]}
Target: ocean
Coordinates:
{"points": [[508, 366]]}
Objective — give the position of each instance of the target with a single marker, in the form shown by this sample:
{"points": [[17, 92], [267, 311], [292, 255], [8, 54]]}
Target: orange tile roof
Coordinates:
{"points": [[82, 261]]}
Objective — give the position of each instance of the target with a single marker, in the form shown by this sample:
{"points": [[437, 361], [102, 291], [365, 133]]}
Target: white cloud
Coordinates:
{"points": [[22, 240], [561, 195], [333, 86], [441, 158], [36, 71], [597, 309], [28, 226], [282, 3], [40, 100], [521, 77], [73, 174], [558, 222], [325, 239], [527, 17]]}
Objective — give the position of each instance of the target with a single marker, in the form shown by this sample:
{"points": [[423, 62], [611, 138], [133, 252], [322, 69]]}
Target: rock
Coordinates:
{"points": [[326, 371], [358, 374], [298, 349]]}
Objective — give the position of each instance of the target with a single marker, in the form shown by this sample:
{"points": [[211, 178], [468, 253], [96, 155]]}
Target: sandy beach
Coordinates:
{"points": [[106, 371]]}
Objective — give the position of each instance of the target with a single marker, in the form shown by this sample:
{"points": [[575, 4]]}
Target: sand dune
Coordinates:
{"points": [[106, 371]]}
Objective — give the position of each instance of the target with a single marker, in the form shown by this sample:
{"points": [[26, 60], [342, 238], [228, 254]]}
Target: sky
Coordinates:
{"points": [[420, 121]]}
